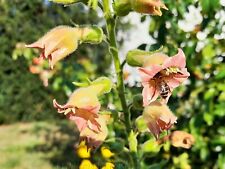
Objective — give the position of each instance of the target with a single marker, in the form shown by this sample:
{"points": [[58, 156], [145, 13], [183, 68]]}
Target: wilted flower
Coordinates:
{"points": [[63, 40], [86, 164], [148, 6], [158, 118], [181, 139], [161, 74], [82, 108], [95, 139]]}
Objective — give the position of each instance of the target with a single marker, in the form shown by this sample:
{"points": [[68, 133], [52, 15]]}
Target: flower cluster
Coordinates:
{"points": [[83, 108], [160, 75]]}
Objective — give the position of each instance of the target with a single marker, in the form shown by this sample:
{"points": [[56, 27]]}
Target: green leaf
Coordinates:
{"points": [[210, 93], [208, 118], [208, 51]]}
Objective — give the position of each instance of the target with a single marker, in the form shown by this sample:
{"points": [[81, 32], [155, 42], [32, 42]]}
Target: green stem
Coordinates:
{"points": [[110, 25]]}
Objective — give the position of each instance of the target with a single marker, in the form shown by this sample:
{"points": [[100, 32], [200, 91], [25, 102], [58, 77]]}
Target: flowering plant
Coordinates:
{"points": [[160, 75]]}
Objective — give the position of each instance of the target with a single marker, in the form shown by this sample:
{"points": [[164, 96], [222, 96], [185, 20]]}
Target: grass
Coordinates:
{"points": [[37, 145]]}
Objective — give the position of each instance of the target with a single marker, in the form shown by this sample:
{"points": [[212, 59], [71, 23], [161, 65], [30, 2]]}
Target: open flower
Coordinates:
{"points": [[57, 43], [95, 139], [160, 76], [148, 6], [63, 40], [158, 118], [82, 108]]}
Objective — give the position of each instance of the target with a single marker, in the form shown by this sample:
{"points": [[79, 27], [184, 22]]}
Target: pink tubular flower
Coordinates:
{"points": [[160, 78], [158, 117], [82, 108], [57, 43]]}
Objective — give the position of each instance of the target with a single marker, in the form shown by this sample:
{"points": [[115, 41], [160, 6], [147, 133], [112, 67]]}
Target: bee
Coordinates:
{"points": [[162, 86], [164, 89]]}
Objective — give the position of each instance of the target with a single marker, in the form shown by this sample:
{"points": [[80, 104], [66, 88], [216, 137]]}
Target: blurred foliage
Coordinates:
{"points": [[199, 104], [22, 95]]}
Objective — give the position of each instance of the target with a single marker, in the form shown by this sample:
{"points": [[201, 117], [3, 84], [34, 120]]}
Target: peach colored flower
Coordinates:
{"points": [[82, 108], [63, 40], [57, 43], [178, 139], [181, 139], [95, 139], [148, 6], [159, 79], [158, 118]]}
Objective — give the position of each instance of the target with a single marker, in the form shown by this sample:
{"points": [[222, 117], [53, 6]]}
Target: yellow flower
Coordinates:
{"points": [[108, 165], [106, 153], [83, 151], [86, 164]]}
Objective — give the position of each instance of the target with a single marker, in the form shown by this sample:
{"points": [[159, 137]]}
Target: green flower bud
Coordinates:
{"points": [[99, 86], [141, 124], [150, 146], [122, 7], [138, 102], [93, 35], [137, 58], [133, 141], [102, 85]]}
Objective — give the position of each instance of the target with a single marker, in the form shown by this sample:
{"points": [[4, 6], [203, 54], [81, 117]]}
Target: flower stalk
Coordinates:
{"points": [[110, 26]]}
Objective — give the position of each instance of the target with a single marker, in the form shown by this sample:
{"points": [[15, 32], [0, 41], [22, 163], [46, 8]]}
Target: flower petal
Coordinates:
{"points": [[177, 60], [147, 73], [175, 80], [149, 93]]}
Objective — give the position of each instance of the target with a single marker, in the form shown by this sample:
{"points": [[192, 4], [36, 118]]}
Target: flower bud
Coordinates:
{"points": [[132, 139], [138, 58], [150, 146], [83, 151], [122, 7], [141, 124], [106, 153], [93, 35], [101, 85], [86, 164]]}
